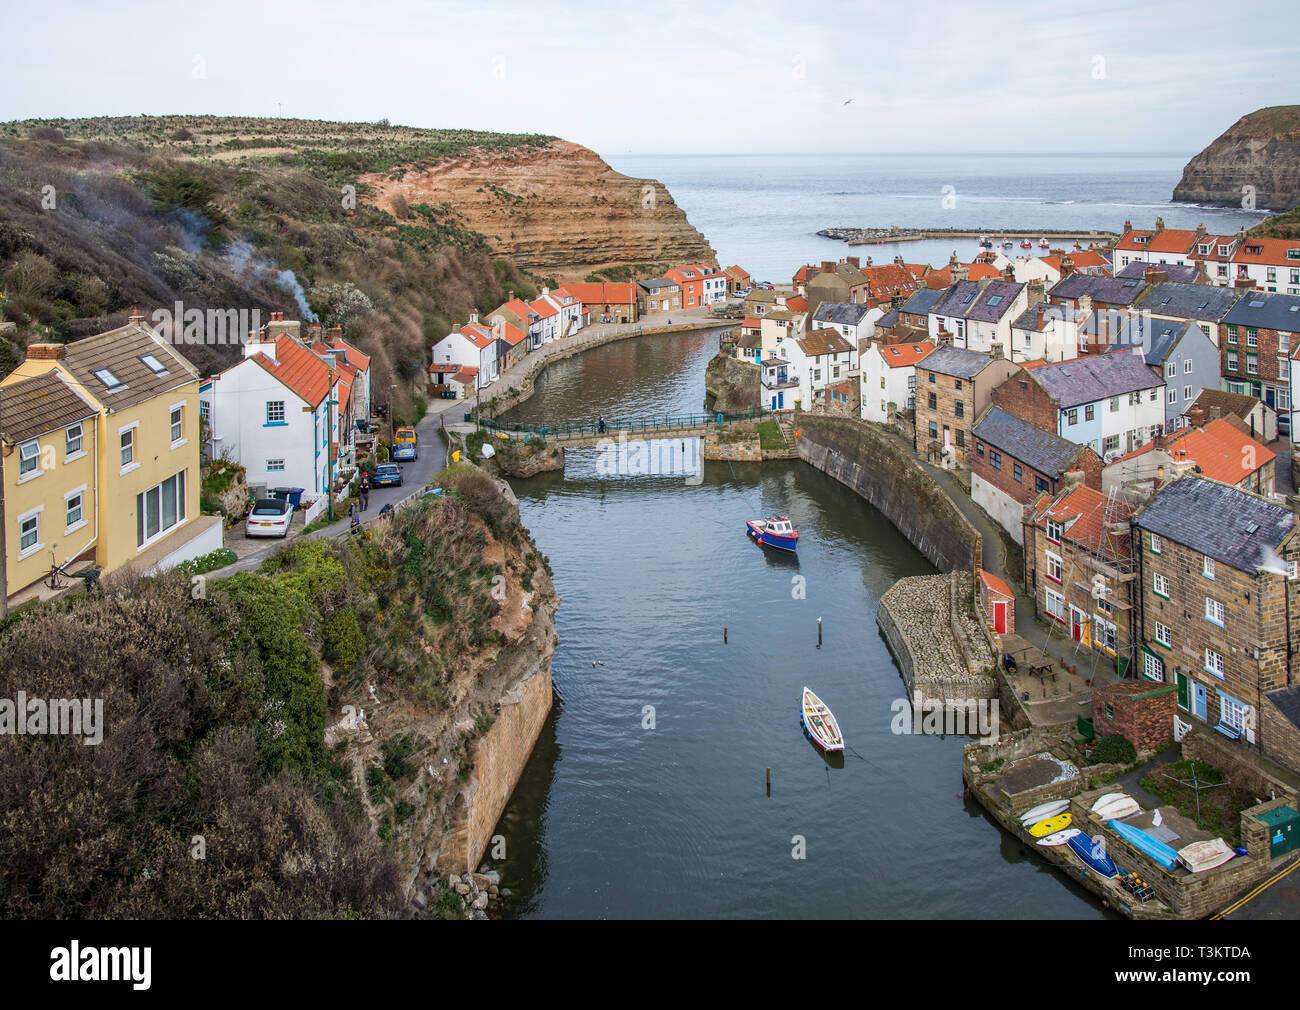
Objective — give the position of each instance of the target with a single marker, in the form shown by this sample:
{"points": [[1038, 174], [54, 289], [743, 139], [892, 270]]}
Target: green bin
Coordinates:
{"points": [[1283, 830]]}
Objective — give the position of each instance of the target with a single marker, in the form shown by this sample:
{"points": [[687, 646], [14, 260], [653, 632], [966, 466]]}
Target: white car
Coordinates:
{"points": [[269, 517]]}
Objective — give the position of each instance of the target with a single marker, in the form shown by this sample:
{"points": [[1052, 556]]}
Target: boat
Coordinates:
{"points": [[774, 533], [1059, 837], [1053, 824], [1042, 811], [1149, 844], [1044, 244], [986, 242], [1026, 244], [1120, 809], [819, 723], [1107, 800], [1007, 243], [1205, 855], [1093, 856]]}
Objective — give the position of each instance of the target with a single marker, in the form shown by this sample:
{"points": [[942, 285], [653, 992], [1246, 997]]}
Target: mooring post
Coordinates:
{"points": [[819, 632], [769, 780]]}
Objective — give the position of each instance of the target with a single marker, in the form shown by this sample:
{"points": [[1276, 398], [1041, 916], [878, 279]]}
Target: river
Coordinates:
{"points": [[645, 795]]}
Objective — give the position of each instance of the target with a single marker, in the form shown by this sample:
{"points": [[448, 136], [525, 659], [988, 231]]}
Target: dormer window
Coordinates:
{"points": [[111, 382]]}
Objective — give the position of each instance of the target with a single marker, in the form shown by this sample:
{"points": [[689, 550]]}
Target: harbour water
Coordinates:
{"points": [[763, 211], [645, 796]]}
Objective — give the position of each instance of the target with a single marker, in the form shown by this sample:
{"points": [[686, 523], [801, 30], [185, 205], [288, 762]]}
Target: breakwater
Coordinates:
{"points": [[882, 236]]}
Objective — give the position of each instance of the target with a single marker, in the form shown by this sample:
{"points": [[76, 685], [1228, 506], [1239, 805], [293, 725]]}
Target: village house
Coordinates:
{"points": [[945, 276], [1258, 419], [605, 302], [1174, 273], [1217, 449], [818, 358], [47, 434], [1014, 463], [1258, 341], [353, 367], [977, 315], [1111, 403], [842, 398], [1045, 333], [1087, 292], [953, 387], [738, 280], [887, 380], [1269, 264], [801, 278], [473, 346], [517, 313], [1217, 570], [836, 282], [1079, 569], [779, 325], [779, 385], [1213, 257], [143, 495], [573, 314], [700, 284], [658, 294], [854, 323], [748, 345], [278, 413], [760, 301], [1179, 352]]}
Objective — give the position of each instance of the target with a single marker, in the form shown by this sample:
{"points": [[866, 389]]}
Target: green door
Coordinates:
{"points": [[1182, 692]]}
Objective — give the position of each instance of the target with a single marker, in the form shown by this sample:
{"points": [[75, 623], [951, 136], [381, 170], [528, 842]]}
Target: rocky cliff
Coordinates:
{"points": [[1261, 150], [555, 209]]}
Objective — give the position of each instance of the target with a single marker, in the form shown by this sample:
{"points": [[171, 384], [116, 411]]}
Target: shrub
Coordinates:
{"points": [[342, 643], [1114, 749]]}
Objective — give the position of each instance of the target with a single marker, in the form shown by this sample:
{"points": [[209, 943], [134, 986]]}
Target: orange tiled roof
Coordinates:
{"points": [[902, 355], [298, 369], [1173, 240], [1220, 450], [1083, 511], [996, 584], [797, 304], [1269, 251], [602, 294], [1130, 242]]}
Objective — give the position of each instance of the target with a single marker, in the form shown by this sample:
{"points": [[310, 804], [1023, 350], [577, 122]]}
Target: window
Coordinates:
{"points": [[1053, 567], [1173, 395], [931, 376], [1207, 567], [995, 459], [1160, 585], [1291, 569], [1213, 663], [1054, 531], [1072, 416], [1017, 473], [1187, 367], [1040, 484], [159, 509], [1153, 668], [1214, 611], [275, 412], [957, 384], [1252, 365], [1088, 412], [1155, 544], [1114, 404], [932, 401], [1252, 337], [934, 430], [110, 381], [178, 427], [1103, 633], [961, 438], [1187, 392], [1171, 370], [1232, 361], [274, 464], [959, 408], [74, 507], [29, 533], [1164, 635], [29, 458], [1232, 335], [72, 440], [1056, 605], [1155, 395], [979, 449], [153, 364], [128, 447], [1232, 712]]}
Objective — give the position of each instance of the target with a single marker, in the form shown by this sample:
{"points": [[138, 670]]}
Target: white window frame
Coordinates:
{"points": [[1167, 639], [271, 468], [132, 463], [21, 520], [1215, 612], [25, 472], [1156, 544], [1157, 580], [1054, 562], [1152, 663], [70, 453], [177, 440], [77, 494], [1207, 566], [1052, 597], [1214, 663]]}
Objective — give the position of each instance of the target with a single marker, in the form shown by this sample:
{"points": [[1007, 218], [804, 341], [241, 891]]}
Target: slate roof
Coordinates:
{"points": [[653, 284], [1179, 273], [956, 361], [956, 299], [1267, 311], [1111, 290], [994, 301], [842, 313], [1086, 380], [122, 351], [1188, 301], [1233, 526], [1156, 337], [1041, 450], [31, 407], [1287, 700], [923, 301], [889, 319]]}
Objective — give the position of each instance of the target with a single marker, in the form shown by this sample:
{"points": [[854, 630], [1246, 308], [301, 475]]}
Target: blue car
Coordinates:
{"points": [[405, 451], [387, 475]]}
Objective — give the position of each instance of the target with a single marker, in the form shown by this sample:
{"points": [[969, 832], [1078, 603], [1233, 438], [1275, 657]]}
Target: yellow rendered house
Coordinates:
{"points": [[145, 446]]}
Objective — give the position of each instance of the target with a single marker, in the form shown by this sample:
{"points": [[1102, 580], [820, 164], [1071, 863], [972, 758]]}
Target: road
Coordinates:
{"points": [[415, 474]]}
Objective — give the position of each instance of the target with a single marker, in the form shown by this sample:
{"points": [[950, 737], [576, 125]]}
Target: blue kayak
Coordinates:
{"points": [[1098, 860], [1152, 846]]}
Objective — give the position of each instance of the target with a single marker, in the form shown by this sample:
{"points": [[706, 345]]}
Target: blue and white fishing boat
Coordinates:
{"points": [[819, 724], [776, 533]]}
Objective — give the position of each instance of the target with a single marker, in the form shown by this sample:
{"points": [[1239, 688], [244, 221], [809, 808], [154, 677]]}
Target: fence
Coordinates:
{"points": [[635, 425]]}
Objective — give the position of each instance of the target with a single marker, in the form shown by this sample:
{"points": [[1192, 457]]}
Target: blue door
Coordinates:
{"points": [[780, 400], [1198, 700]]}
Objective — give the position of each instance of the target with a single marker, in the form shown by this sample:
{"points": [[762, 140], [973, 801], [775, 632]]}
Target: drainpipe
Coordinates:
{"points": [[1135, 544]]}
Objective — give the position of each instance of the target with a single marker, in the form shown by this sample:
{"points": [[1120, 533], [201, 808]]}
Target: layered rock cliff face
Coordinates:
{"points": [[557, 210], [1261, 150]]}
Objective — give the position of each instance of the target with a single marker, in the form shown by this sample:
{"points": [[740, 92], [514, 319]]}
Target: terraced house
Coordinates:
{"points": [[1258, 341], [1196, 303], [143, 497], [953, 387], [1218, 610], [977, 315]]}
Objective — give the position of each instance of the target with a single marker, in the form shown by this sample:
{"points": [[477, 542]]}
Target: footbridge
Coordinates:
{"points": [[578, 433]]}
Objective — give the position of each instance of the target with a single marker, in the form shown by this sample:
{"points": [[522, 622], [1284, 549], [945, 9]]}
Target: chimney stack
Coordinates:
{"points": [[1200, 230], [1067, 267], [137, 317], [853, 261], [1073, 479], [47, 352]]}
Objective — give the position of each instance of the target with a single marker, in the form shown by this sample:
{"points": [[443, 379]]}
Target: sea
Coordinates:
{"points": [[763, 211]]}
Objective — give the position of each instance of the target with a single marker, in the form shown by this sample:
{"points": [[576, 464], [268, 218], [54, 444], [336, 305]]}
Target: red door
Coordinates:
{"points": [[1000, 616]]}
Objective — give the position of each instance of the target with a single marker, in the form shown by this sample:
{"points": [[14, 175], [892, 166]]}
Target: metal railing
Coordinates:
{"points": [[646, 426]]}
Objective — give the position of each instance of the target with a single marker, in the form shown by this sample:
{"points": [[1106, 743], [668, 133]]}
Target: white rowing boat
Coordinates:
{"points": [[1044, 811], [1201, 856], [819, 723]]}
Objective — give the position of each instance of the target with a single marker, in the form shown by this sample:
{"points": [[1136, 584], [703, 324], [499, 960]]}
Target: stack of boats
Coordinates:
{"points": [[1050, 824]]}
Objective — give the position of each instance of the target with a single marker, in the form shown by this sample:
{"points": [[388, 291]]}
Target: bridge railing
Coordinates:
{"points": [[641, 426]]}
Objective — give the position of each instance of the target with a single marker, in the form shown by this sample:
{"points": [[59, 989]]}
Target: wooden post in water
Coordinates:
{"points": [[724, 636], [769, 780], [819, 632]]}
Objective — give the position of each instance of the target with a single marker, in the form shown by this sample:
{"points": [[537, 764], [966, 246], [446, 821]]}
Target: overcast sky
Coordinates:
{"points": [[669, 77]]}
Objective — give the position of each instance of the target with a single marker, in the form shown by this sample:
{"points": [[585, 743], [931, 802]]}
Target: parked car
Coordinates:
{"points": [[269, 517], [405, 444], [387, 475]]}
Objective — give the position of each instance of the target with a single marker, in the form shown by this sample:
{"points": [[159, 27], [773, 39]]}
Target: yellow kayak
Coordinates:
{"points": [[1058, 823]]}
